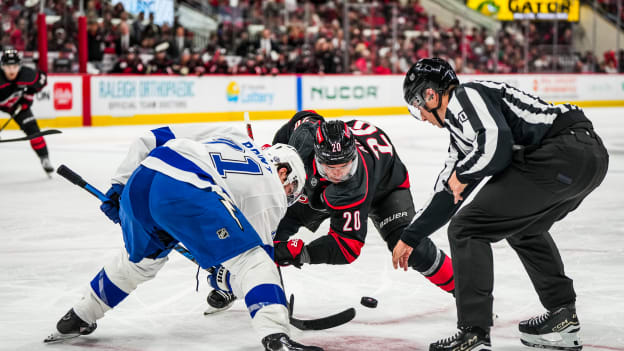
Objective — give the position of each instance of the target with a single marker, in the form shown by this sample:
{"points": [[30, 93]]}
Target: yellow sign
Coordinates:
{"points": [[510, 10]]}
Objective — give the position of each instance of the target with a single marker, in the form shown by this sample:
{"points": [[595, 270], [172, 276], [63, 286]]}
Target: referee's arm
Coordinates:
{"points": [[439, 208]]}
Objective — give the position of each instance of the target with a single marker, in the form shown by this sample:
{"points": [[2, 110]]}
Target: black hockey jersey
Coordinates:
{"points": [[21, 91], [347, 204], [486, 120]]}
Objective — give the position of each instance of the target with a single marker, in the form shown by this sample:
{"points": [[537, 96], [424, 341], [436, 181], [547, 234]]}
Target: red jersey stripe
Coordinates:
{"points": [[354, 245]]}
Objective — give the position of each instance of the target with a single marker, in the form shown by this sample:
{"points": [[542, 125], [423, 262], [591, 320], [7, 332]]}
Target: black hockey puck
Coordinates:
{"points": [[368, 302]]}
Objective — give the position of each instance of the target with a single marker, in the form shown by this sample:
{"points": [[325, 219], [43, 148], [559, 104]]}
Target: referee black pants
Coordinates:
{"points": [[520, 204]]}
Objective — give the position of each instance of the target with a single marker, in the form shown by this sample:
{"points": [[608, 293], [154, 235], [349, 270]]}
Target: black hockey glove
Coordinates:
{"points": [[291, 252], [111, 206]]}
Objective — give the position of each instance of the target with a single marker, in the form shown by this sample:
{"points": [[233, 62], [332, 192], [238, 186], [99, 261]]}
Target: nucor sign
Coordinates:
{"points": [[344, 92]]}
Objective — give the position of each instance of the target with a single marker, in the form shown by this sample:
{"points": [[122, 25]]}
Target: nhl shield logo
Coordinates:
{"points": [[222, 233]]}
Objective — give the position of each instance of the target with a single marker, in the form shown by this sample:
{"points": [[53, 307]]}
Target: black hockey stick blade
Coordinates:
{"points": [[328, 322], [32, 136]]}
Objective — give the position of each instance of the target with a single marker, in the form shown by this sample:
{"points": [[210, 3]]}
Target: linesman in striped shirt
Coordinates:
{"points": [[542, 160]]}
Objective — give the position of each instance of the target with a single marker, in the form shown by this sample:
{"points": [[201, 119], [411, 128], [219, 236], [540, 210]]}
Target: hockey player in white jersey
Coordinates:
{"points": [[218, 194]]}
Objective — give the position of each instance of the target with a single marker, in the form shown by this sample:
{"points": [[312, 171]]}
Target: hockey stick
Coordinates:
{"points": [[6, 123], [328, 322], [17, 110], [248, 123], [32, 136]]}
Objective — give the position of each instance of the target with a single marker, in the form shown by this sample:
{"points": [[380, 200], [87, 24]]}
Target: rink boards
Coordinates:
{"points": [[103, 100]]}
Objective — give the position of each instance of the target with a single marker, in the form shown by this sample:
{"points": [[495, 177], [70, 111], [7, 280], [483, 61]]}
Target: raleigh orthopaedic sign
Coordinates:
{"points": [[510, 10]]}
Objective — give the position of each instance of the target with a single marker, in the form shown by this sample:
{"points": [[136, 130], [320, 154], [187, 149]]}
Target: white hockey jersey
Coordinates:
{"points": [[235, 165]]}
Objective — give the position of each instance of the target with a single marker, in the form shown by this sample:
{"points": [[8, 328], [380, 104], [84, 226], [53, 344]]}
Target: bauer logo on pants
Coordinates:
{"points": [[222, 233]]}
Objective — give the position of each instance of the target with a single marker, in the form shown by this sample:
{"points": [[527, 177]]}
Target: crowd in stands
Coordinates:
{"points": [[611, 8], [289, 39]]}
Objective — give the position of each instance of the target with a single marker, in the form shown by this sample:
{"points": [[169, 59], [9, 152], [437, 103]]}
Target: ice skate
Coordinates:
{"points": [[70, 326], [219, 301], [47, 166], [281, 342], [557, 329], [466, 339]]}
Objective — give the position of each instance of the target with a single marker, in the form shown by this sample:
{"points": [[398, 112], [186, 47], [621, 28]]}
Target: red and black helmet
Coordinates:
{"points": [[334, 143]]}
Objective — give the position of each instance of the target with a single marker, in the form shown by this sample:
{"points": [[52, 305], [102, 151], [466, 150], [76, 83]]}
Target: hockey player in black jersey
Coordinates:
{"points": [[18, 86], [353, 173], [543, 160]]}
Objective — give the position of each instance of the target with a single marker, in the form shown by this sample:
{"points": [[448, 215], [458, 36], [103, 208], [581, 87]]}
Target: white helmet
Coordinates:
{"points": [[282, 155]]}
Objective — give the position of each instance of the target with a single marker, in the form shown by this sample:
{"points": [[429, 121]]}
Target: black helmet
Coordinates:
{"points": [[10, 57], [434, 73], [334, 143]]}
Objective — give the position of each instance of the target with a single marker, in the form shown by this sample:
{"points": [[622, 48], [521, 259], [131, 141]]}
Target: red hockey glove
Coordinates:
{"points": [[290, 252]]}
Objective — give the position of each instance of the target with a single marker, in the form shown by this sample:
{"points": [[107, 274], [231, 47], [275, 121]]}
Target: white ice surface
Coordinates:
{"points": [[54, 239]]}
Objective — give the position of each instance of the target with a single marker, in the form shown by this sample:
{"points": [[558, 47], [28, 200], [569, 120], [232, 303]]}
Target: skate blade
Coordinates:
{"points": [[554, 341], [211, 310], [58, 337], [482, 347]]}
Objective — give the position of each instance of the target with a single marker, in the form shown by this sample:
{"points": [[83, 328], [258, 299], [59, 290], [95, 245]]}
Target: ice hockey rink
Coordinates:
{"points": [[54, 239]]}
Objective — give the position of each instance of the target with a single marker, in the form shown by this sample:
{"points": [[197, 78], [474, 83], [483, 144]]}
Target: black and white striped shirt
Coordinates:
{"points": [[485, 120]]}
